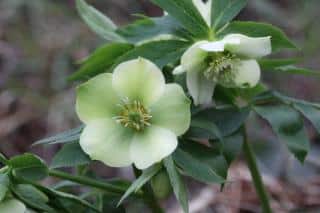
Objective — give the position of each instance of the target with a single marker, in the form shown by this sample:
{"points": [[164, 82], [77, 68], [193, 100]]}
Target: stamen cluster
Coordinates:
{"points": [[221, 67], [134, 115]]}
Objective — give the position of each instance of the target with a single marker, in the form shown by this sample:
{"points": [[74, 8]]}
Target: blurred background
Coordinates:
{"points": [[41, 41]]}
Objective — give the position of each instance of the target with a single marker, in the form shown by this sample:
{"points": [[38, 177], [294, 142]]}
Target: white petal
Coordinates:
{"points": [[204, 9], [107, 141], [96, 99], [200, 88], [172, 110], [139, 79], [193, 59], [178, 70], [248, 46], [12, 206], [216, 46], [248, 74], [151, 146]]}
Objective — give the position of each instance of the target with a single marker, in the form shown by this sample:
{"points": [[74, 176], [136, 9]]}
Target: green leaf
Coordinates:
{"points": [[3, 159], [187, 14], [64, 137], [273, 96], [254, 29], [288, 125], [232, 146], [29, 166], [100, 61], [223, 11], [228, 120], [66, 196], [274, 63], [4, 185], [33, 197], [142, 179], [311, 113], [208, 126], [149, 28], [70, 155], [201, 162], [291, 69], [159, 52], [98, 22], [177, 183]]}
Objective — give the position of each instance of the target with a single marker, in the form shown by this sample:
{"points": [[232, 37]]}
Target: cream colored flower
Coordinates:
{"points": [[230, 62], [132, 116]]}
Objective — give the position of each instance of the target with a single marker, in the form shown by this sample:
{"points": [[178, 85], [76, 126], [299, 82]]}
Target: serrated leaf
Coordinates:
{"points": [[255, 29], [288, 125], [70, 155], [223, 11], [142, 179], [159, 52], [33, 197], [64, 137], [201, 162], [228, 120], [311, 113], [4, 185], [100, 60], [99, 23], [177, 183], [187, 14], [28, 166], [148, 28]]}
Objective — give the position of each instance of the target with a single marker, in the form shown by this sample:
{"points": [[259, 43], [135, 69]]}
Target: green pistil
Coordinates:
{"points": [[221, 68], [134, 115]]}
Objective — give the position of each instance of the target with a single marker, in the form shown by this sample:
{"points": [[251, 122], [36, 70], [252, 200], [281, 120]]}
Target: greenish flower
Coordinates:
{"points": [[230, 62], [12, 206], [132, 115]]}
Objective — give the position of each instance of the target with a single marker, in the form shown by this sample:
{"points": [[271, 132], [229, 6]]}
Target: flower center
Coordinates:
{"points": [[221, 68], [134, 115]]}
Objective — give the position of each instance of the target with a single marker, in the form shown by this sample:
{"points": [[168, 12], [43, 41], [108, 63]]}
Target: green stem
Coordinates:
{"points": [[257, 180], [89, 182], [148, 195]]}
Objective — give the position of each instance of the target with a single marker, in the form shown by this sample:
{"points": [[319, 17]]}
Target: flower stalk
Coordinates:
{"points": [[256, 176]]}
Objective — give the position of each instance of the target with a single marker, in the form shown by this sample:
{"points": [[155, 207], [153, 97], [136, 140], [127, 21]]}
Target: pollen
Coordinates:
{"points": [[133, 115]]}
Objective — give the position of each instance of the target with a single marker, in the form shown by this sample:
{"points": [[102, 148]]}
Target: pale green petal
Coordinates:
{"points": [[96, 99], [12, 206], [248, 46], [140, 80], [200, 88], [204, 9], [151, 146], [248, 74], [172, 110], [107, 141], [193, 59], [178, 70]]}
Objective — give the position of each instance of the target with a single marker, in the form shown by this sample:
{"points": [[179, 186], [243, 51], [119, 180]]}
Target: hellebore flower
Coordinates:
{"points": [[230, 62], [132, 115]]}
